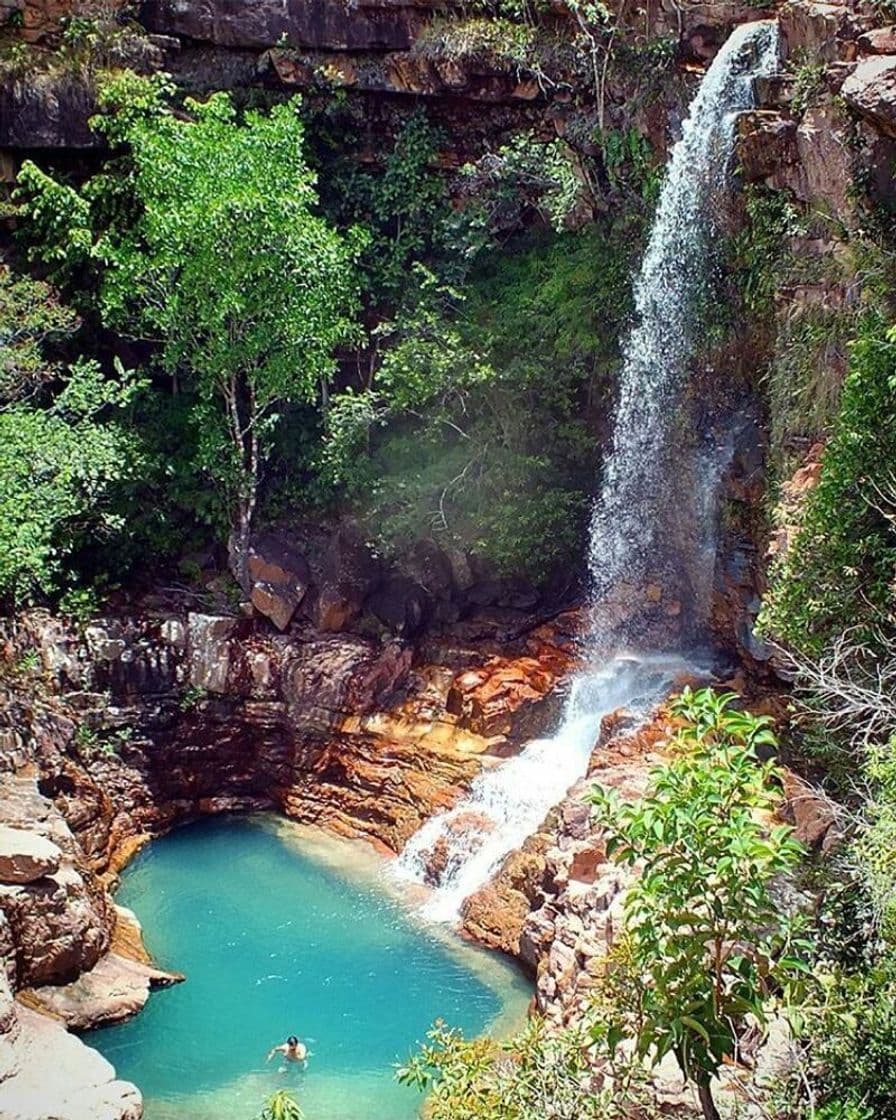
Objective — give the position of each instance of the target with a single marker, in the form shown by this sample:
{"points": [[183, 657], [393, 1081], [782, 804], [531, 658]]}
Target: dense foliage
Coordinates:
{"points": [[831, 607], [68, 452], [208, 247], [341, 339], [535, 1074], [839, 574]]}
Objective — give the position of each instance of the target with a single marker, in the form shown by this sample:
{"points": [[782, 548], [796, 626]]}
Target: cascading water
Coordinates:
{"points": [[507, 804], [652, 529], [651, 554]]}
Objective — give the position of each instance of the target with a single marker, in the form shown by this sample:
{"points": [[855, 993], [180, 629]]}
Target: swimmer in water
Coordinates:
{"points": [[292, 1050]]}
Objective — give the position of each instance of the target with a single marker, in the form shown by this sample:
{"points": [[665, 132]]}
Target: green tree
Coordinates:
{"points": [[211, 249], [59, 471], [31, 317], [701, 926]]}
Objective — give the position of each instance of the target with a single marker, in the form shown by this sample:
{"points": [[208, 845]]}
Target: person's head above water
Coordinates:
{"points": [[292, 1040]]}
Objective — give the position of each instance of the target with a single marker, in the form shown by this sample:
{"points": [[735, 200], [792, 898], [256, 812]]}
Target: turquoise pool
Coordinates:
{"points": [[282, 931]]}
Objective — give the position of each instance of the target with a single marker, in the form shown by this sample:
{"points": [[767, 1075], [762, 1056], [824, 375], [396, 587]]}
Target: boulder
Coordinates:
{"points": [[52, 1074], [813, 29], [879, 40], [280, 577], [47, 111], [766, 140], [57, 924], [272, 560], [26, 856], [58, 929], [345, 573], [429, 566], [813, 816], [463, 834], [871, 92], [113, 990]]}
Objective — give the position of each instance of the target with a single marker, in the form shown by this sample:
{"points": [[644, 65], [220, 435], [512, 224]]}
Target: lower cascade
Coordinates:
{"points": [[659, 489], [463, 846]]}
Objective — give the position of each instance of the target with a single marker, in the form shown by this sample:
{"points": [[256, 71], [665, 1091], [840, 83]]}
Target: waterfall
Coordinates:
{"points": [[651, 554]]}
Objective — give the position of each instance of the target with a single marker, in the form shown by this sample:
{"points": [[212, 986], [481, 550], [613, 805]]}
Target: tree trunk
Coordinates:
{"points": [[704, 1092], [243, 540]]}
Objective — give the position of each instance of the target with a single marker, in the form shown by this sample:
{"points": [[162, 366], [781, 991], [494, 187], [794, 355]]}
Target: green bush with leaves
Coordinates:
{"points": [[60, 469], [851, 1034], [840, 573], [536, 1074], [703, 931], [32, 319], [281, 1105]]}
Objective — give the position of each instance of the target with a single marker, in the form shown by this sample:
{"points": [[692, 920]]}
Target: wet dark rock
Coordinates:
{"points": [[345, 572], [47, 111], [279, 576], [431, 568], [298, 23], [400, 604]]}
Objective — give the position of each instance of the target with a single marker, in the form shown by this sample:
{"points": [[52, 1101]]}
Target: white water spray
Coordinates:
{"points": [[652, 540]]}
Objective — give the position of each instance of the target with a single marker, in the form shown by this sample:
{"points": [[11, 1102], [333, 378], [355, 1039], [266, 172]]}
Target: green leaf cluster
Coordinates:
{"points": [[32, 319], [535, 1074], [702, 927], [61, 468], [839, 574]]}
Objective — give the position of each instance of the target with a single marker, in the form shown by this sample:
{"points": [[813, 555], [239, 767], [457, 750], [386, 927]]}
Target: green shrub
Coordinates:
{"points": [[60, 470], [706, 939], [840, 573], [853, 1043], [535, 1074]]}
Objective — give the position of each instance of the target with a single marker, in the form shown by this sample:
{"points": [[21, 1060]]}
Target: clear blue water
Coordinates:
{"points": [[281, 932]]}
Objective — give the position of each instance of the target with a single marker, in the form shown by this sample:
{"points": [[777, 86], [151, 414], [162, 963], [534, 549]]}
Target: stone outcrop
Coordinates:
{"points": [[280, 577], [181, 712], [555, 903], [26, 856], [45, 1072], [380, 25], [871, 91], [59, 920], [55, 927]]}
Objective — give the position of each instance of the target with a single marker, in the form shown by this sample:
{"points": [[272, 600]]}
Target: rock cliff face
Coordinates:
{"points": [[169, 717], [384, 54]]}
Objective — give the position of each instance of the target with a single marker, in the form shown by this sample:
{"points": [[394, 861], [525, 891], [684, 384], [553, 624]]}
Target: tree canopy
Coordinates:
{"points": [[208, 245]]}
